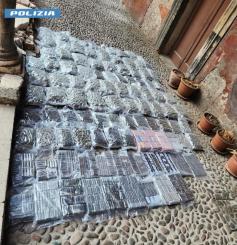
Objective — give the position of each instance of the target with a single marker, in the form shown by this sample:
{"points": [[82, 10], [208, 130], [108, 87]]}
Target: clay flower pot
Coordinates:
{"points": [[207, 123], [175, 78], [222, 141], [231, 165], [187, 88]]}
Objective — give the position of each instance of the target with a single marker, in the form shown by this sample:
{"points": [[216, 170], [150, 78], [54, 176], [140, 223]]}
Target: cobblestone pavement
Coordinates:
{"points": [[210, 219]]}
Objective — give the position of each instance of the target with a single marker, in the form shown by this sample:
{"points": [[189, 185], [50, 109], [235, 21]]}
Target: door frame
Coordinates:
{"points": [[176, 22]]}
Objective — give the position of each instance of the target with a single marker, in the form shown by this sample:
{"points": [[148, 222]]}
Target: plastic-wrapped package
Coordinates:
{"points": [[77, 47], [47, 201], [99, 75], [105, 164], [166, 163], [22, 206], [70, 117], [23, 170], [84, 163], [152, 161], [122, 90], [82, 137], [25, 138], [84, 72], [114, 137], [130, 121], [110, 76], [45, 137], [102, 120], [58, 80], [165, 124], [68, 67], [146, 109], [48, 53], [77, 99], [115, 104], [116, 120], [103, 55], [35, 95], [64, 53], [138, 165], [76, 82], [134, 91], [51, 114], [33, 62], [123, 70], [170, 112], [51, 65], [68, 164], [31, 116], [64, 138], [158, 110], [132, 192], [184, 126], [147, 94], [166, 145], [129, 140], [96, 102], [56, 96], [195, 165], [181, 187], [46, 38], [132, 105], [96, 65], [175, 126], [153, 123], [107, 88], [167, 190], [123, 163], [151, 193], [174, 140], [195, 143], [95, 196], [114, 194], [160, 97], [141, 121], [38, 77], [86, 116], [99, 139], [93, 85], [180, 163]]}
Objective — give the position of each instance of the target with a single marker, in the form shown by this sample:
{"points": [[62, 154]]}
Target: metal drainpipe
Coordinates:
{"points": [[10, 60]]}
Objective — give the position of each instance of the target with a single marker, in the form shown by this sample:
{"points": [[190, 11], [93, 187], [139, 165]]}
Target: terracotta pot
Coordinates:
{"points": [[175, 78], [231, 165], [187, 88], [219, 144], [206, 125]]}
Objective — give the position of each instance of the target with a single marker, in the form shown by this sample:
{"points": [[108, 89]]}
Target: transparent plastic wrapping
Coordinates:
{"points": [[194, 141], [132, 105], [180, 163], [108, 88], [69, 117], [153, 123], [181, 187], [129, 140], [165, 143], [23, 170], [175, 142], [154, 164], [165, 124], [195, 165], [151, 193], [130, 121], [84, 72], [82, 137], [80, 59], [86, 116], [167, 190], [38, 77], [25, 138], [45, 137], [77, 99], [96, 102], [167, 165], [22, 205], [114, 137], [99, 139], [102, 120], [58, 80], [115, 104], [64, 138], [56, 96], [184, 125], [52, 115], [33, 62], [141, 121], [31, 116], [175, 126], [146, 108], [35, 95]]}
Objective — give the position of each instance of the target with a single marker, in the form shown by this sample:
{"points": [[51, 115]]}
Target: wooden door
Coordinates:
{"points": [[197, 31]]}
